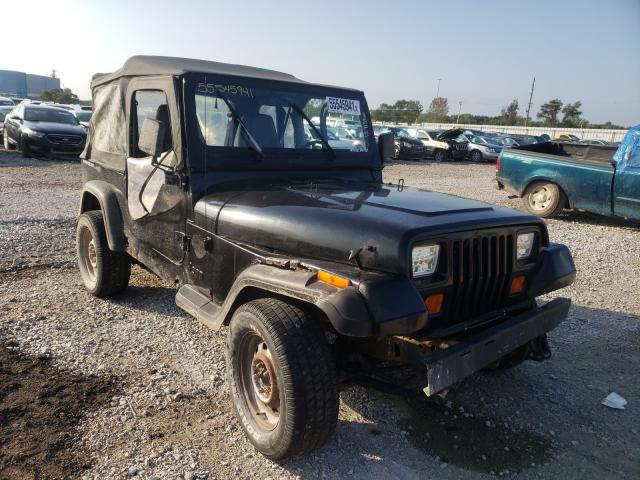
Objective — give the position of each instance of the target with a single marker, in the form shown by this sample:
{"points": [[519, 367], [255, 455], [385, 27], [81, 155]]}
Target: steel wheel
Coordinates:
{"points": [[87, 254], [540, 198], [259, 381]]}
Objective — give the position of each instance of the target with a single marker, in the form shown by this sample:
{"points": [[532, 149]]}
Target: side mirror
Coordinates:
{"points": [[151, 137], [386, 146]]}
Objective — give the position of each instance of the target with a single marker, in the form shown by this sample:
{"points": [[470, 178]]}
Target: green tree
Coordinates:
{"points": [[509, 113], [549, 112], [571, 115], [59, 95], [438, 110], [403, 111]]}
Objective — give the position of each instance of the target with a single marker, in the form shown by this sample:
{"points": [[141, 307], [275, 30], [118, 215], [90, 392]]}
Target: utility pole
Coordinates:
{"points": [[438, 90], [459, 109], [526, 122]]}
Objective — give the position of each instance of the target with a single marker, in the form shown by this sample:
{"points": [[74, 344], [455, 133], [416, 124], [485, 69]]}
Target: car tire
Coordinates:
{"points": [[291, 407], [396, 152], [476, 156], [7, 145], [544, 199], [438, 155], [103, 271]]}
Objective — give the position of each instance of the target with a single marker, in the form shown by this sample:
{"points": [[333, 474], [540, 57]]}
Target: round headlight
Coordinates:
{"points": [[424, 260], [524, 245]]}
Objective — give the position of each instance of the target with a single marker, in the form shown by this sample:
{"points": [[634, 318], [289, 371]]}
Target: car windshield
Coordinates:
{"points": [[3, 113], [422, 134], [83, 115], [52, 115], [279, 117], [6, 102], [401, 133]]}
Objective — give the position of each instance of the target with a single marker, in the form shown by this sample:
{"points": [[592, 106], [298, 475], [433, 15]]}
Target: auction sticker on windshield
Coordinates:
{"points": [[343, 105]]}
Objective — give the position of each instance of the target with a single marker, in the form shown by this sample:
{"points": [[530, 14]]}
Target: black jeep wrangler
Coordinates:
{"points": [[205, 173]]}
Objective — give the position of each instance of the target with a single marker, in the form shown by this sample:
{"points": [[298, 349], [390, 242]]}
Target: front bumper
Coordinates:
{"points": [[42, 146], [451, 365]]}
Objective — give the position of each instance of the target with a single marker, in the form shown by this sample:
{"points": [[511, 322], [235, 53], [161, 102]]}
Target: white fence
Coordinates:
{"points": [[584, 133]]}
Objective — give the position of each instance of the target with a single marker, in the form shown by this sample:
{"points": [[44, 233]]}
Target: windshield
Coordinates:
{"points": [[83, 116], [6, 102], [280, 118], [52, 115]]}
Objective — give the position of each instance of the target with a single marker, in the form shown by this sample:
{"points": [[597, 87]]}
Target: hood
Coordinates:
{"points": [[329, 222], [450, 134], [50, 127]]}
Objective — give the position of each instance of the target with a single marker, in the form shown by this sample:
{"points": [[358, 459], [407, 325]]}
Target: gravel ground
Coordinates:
{"points": [[152, 378]]}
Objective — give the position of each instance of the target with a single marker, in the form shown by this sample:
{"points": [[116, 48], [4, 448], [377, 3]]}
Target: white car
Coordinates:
{"points": [[434, 147]]}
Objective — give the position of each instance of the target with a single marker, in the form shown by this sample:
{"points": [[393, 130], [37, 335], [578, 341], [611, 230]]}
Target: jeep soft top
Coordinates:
{"points": [[214, 177]]}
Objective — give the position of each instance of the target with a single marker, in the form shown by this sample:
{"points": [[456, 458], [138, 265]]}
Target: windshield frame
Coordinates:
{"points": [[234, 157]]}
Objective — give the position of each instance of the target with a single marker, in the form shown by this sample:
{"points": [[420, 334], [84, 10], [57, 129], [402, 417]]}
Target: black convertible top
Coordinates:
{"points": [[142, 65]]}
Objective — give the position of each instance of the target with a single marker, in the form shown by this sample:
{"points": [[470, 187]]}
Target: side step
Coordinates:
{"points": [[199, 305]]}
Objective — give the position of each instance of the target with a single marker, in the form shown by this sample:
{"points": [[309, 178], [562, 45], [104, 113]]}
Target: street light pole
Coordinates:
{"points": [[438, 90], [459, 110]]}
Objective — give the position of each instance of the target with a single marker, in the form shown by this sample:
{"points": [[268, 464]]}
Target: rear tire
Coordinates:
{"points": [[544, 199], [282, 378], [103, 271]]}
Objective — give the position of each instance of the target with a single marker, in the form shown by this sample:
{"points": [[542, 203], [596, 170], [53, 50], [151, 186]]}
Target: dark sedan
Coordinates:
{"points": [[407, 147], [41, 130]]}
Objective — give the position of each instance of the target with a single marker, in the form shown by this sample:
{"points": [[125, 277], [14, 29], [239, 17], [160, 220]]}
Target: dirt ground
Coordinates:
{"points": [[132, 387]]}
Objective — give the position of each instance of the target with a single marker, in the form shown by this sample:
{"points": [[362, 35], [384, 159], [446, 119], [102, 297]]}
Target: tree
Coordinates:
{"points": [[438, 110], [571, 114], [403, 111], [509, 113], [58, 95], [549, 112]]}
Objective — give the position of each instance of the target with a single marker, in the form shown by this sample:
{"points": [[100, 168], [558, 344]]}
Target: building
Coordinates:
{"points": [[25, 85]]}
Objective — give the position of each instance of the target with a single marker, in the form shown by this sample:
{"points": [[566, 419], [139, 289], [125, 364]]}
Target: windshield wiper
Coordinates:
{"points": [[327, 147], [251, 141]]}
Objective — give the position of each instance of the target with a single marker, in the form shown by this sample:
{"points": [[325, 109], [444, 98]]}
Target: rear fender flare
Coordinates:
{"points": [[100, 195]]}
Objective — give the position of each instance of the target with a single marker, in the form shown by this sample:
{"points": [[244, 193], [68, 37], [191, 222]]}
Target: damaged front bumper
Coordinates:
{"points": [[459, 360]]}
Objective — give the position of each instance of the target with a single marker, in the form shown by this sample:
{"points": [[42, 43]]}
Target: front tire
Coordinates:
{"points": [[544, 199], [476, 156], [282, 378], [103, 271], [7, 145], [439, 156], [24, 149]]}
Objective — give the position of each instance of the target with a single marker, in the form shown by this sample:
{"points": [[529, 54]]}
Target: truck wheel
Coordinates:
{"points": [[103, 271], [438, 156], [476, 156], [544, 199], [282, 378]]}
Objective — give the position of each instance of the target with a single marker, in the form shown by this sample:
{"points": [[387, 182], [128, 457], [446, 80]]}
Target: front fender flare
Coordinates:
{"points": [[382, 307], [108, 201]]}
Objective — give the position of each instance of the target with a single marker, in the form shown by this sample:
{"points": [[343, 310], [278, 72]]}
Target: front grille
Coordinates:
{"points": [[481, 270], [59, 139]]}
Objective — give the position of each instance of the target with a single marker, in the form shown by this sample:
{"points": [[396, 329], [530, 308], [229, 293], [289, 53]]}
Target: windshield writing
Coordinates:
{"points": [[279, 119]]}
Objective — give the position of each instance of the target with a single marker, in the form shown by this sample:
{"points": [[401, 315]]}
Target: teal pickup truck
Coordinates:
{"points": [[550, 177]]}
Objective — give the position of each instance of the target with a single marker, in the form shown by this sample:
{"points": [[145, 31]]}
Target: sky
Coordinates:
{"points": [[485, 53]]}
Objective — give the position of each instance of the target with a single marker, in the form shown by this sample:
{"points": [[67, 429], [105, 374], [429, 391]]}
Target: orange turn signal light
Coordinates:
{"points": [[517, 285], [434, 303], [333, 279]]}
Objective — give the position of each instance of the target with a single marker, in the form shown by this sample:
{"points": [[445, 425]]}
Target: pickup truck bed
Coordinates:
{"points": [[552, 176]]}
